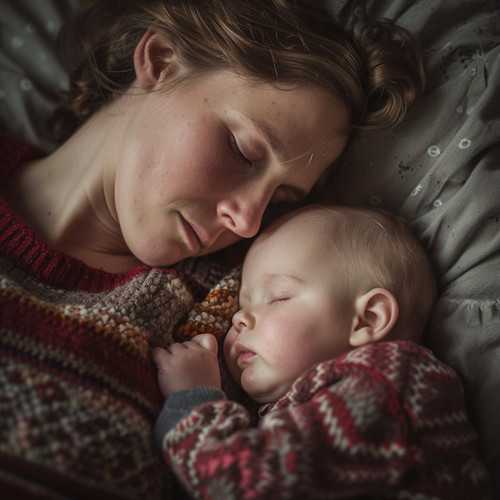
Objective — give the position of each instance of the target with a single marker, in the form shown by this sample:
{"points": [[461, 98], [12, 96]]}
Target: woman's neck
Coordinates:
{"points": [[68, 197]]}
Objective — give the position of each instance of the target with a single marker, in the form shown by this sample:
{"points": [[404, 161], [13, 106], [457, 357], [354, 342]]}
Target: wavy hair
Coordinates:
{"points": [[377, 73]]}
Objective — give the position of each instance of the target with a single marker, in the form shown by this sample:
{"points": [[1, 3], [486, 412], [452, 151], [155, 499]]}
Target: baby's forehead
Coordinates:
{"points": [[300, 222], [292, 241], [267, 280]]}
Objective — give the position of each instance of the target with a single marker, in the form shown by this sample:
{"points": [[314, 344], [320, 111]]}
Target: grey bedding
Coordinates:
{"points": [[441, 170]]}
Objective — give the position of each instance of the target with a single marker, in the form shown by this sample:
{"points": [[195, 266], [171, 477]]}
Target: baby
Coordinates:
{"points": [[333, 301]]}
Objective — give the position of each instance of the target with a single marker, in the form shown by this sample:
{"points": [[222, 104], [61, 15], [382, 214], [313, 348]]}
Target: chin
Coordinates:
{"points": [[261, 398], [155, 260]]}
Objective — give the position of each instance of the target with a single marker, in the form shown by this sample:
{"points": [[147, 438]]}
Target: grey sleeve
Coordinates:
{"points": [[179, 405]]}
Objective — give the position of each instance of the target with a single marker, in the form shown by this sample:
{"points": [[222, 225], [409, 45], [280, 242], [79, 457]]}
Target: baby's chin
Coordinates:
{"points": [[266, 397]]}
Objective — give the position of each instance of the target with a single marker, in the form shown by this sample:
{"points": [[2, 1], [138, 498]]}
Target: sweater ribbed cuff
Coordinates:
{"points": [[179, 405]]}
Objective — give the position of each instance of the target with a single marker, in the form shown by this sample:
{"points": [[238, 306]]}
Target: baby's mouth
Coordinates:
{"points": [[244, 358], [243, 355]]}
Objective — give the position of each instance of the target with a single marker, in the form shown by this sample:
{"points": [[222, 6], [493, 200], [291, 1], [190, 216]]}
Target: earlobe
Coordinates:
{"points": [[154, 60], [376, 314]]}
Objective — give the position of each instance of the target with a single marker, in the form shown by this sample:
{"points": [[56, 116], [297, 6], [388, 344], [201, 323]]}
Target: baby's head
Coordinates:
{"points": [[319, 282], [376, 249]]}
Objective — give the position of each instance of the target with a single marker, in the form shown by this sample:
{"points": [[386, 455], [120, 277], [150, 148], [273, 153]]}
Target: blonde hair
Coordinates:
{"points": [[379, 249], [377, 73]]}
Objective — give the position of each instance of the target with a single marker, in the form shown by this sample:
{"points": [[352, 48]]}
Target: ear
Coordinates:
{"points": [[155, 59], [376, 313]]}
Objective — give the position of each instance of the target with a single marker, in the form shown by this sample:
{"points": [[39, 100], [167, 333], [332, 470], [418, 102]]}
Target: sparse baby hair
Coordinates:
{"points": [[379, 249]]}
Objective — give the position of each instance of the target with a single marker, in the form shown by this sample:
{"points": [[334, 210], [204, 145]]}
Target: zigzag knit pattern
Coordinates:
{"points": [[386, 420], [79, 394]]}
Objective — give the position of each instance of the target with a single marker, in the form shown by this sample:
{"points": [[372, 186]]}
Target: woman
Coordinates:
{"points": [[232, 129], [185, 120]]}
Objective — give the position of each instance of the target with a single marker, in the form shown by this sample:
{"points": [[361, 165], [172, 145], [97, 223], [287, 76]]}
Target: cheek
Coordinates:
{"points": [[299, 338], [231, 364], [283, 336], [180, 148], [195, 140]]}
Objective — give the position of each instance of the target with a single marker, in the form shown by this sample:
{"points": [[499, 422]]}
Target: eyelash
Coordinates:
{"points": [[238, 154], [293, 194], [279, 298]]}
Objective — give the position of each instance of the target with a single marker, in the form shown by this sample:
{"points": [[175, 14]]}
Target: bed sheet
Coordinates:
{"points": [[441, 170], [31, 72]]}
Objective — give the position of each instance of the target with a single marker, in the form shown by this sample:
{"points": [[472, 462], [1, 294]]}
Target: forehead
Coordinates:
{"points": [[297, 246], [302, 122]]}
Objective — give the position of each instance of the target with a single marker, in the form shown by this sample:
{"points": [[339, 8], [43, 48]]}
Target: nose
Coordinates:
{"points": [[242, 212], [243, 320]]}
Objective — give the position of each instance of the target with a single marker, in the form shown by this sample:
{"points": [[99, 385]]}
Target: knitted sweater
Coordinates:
{"points": [[383, 421], [78, 388]]}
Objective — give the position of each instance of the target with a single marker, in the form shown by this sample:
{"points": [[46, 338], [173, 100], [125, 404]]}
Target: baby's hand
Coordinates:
{"points": [[188, 365]]}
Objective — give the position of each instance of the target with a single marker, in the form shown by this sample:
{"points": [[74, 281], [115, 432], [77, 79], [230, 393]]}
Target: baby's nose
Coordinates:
{"points": [[242, 319]]}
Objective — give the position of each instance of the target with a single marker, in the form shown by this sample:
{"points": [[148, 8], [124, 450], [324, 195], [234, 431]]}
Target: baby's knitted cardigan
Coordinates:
{"points": [[78, 388], [385, 420]]}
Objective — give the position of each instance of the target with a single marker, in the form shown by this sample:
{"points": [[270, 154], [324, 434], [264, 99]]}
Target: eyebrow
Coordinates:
{"points": [[270, 277]]}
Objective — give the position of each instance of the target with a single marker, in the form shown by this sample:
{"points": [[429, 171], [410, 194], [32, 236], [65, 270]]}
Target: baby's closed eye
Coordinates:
{"points": [[278, 297]]}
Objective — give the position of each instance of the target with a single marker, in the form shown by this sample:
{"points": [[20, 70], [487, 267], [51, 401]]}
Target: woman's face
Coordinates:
{"points": [[200, 164]]}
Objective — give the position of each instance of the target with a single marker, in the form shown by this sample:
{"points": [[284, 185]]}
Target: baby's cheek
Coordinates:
{"points": [[230, 361], [280, 338], [290, 342]]}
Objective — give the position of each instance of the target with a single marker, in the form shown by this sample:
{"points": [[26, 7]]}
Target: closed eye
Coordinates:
{"points": [[236, 151], [279, 298]]}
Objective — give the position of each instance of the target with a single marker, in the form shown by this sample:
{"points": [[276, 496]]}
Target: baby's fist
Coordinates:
{"points": [[188, 365]]}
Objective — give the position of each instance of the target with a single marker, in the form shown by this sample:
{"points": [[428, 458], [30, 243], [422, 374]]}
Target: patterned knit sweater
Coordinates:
{"points": [[78, 388], [383, 421]]}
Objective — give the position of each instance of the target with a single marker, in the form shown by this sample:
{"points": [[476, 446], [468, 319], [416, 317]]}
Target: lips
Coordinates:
{"points": [[244, 358], [242, 354]]}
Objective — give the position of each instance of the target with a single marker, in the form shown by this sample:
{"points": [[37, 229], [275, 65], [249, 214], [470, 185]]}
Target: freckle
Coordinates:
{"points": [[206, 99], [49, 214]]}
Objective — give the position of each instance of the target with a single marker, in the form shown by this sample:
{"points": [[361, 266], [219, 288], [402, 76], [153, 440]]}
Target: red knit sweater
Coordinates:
{"points": [[78, 389]]}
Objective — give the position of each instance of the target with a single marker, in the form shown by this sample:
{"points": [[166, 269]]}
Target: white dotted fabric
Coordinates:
{"points": [[31, 74], [441, 170]]}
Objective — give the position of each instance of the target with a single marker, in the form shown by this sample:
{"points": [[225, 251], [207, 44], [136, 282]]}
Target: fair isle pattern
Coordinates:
{"points": [[79, 394], [387, 420]]}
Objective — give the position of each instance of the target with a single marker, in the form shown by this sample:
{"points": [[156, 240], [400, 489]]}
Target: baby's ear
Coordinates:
{"points": [[376, 313], [155, 59]]}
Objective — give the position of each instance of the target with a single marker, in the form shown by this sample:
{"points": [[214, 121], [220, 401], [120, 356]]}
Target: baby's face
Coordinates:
{"points": [[293, 312]]}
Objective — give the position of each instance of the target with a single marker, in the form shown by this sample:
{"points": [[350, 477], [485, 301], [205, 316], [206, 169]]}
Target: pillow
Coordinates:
{"points": [[31, 73], [441, 170]]}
